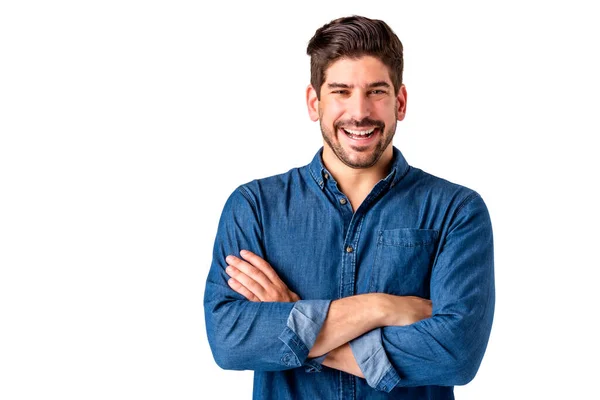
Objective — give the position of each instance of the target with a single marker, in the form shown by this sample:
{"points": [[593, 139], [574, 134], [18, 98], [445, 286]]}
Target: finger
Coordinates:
{"points": [[262, 265], [250, 270], [239, 288], [250, 284]]}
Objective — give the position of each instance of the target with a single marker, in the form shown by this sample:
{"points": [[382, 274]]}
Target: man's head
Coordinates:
{"points": [[356, 90]]}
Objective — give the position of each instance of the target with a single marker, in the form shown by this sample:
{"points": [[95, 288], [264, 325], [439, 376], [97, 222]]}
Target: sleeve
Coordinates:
{"points": [[446, 349], [242, 334]]}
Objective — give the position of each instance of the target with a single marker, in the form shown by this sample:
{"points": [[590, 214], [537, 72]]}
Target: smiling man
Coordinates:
{"points": [[356, 276], [358, 110]]}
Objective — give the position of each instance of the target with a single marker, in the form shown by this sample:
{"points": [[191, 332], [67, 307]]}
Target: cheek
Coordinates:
{"points": [[332, 112], [386, 111]]}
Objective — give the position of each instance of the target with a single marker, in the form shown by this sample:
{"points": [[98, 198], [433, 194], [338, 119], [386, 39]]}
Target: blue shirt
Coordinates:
{"points": [[414, 234]]}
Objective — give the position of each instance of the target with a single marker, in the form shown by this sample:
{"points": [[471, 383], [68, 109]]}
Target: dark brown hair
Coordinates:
{"points": [[354, 37]]}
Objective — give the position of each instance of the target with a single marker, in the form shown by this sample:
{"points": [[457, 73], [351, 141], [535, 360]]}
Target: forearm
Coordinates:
{"points": [[268, 336], [244, 335], [350, 333], [351, 317], [347, 319], [444, 350], [342, 359]]}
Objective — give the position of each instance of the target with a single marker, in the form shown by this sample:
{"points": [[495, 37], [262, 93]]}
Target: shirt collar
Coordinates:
{"points": [[399, 168]]}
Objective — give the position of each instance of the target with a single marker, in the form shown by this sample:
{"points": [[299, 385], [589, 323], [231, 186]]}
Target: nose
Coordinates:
{"points": [[359, 107]]}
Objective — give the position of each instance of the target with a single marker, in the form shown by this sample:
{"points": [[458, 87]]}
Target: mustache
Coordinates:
{"points": [[365, 122]]}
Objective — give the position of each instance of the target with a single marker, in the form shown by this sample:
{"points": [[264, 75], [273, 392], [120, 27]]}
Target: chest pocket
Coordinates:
{"points": [[403, 262]]}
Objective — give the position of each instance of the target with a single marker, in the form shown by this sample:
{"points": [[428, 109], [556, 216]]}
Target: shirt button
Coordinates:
{"points": [[349, 249], [343, 201], [326, 176]]}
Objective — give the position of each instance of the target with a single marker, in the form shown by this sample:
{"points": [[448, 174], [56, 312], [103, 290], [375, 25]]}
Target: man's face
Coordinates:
{"points": [[358, 110]]}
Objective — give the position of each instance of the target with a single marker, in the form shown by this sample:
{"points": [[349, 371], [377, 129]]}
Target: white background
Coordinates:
{"points": [[126, 124]]}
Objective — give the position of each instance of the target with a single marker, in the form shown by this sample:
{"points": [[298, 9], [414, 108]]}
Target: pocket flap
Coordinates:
{"points": [[408, 237]]}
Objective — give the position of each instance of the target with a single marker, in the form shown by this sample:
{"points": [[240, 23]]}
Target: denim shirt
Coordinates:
{"points": [[413, 235]]}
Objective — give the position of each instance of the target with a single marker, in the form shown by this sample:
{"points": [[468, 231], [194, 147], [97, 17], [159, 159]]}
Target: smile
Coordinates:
{"points": [[359, 134]]}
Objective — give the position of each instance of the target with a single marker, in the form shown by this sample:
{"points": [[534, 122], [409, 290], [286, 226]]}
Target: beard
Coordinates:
{"points": [[358, 157]]}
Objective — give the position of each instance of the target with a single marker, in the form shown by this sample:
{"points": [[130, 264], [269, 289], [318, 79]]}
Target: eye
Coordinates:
{"points": [[378, 91], [340, 91]]}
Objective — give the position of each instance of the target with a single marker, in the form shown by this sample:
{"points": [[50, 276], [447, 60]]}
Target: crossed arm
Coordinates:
{"points": [[347, 318], [282, 331]]}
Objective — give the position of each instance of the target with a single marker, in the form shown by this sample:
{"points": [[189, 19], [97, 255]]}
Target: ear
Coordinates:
{"points": [[401, 102], [312, 102]]}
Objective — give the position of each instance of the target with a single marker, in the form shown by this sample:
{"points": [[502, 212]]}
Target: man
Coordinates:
{"points": [[356, 276]]}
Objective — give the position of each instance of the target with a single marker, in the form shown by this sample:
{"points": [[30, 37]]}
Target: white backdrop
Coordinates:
{"points": [[124, 126]]}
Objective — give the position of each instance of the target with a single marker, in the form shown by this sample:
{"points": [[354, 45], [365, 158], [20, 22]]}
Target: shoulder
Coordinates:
{"points": [[444, 192], [270, 189], [442, 186], [249, 200], [455, 204], [273, 185]]}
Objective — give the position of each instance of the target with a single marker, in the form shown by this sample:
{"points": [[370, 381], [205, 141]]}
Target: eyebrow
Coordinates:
{"points": [[337, 85]]}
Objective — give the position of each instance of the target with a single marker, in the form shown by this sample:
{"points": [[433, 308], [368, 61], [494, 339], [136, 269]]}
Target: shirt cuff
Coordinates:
{"points": [[373, 361], [303, 325], [315, 364]]}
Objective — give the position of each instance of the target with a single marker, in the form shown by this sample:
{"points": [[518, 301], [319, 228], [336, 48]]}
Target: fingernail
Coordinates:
{"points": [[243, 252], [228, 270], [229, 259]]}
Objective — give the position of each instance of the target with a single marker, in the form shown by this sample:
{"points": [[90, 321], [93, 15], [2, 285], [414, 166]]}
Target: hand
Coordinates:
{"points": [[256, 280], [405, 310]]}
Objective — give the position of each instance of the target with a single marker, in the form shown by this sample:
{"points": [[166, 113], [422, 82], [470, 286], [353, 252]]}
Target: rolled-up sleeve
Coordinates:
{"points": [[303, 326], [266, 336], [372, 360]]}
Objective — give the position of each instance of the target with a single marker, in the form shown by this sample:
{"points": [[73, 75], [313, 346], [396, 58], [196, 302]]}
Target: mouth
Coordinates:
{"points": [[360, 134]]}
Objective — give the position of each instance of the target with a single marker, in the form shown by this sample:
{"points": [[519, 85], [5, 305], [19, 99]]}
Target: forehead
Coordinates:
{"points": [[357, 71]]}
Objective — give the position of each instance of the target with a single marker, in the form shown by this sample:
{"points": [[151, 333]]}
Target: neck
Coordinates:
{"points": [[357, 183]]}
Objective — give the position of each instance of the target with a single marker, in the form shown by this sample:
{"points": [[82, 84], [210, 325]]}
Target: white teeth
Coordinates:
{"points": [[359, 133]]}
